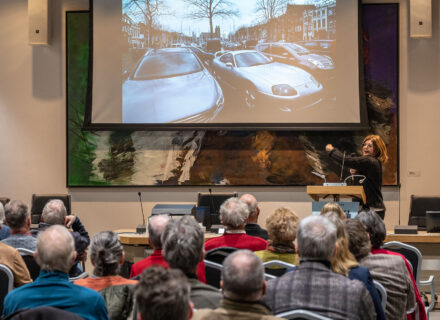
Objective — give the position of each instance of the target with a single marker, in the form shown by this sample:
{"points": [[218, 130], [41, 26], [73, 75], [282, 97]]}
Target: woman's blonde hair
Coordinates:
{"points": [[333, 207], [281, 226], [380, 149], [342, 260]]}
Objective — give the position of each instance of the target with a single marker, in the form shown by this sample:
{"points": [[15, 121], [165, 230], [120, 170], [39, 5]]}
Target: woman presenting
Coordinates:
{"points": [[374, 154]]}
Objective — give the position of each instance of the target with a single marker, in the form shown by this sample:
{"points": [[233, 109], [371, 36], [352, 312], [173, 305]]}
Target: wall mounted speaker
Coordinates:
{"points": [[38, 15], [420, 13]]}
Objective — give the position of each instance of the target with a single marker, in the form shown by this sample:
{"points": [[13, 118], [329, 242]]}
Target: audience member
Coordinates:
{"points": [[54, 213], [333, 207], [252, 227], [163, 294], [389, 270], [313, 286], [376, 229], [18, 219], [10, 257], [182, 244], [4, 229], [243, 286], [55, 254], [156, 225], [107, 255], [233, 214], [281, 226], [344, 263]]}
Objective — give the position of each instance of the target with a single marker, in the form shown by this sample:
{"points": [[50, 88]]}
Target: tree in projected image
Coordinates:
{"points": [[210, 9]]}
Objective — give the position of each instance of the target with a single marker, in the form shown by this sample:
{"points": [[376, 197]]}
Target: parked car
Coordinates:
{"points": [[321, 66], [262, 82], [325, 47], [170, 85]]}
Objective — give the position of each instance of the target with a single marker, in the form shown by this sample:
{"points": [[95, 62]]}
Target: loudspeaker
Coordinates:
{"points": [[420, 19], [38, 14]]}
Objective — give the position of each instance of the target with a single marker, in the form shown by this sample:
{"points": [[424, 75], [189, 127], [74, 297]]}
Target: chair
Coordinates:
{"points": [[301, 314], [277, 272], [43, 313], [414, 257], [382, 293], [213, 201], [81, 276], [31, 264], [418, 207], [40, 200], [6, 283], [213, 259]]}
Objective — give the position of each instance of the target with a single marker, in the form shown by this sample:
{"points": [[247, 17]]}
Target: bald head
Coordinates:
{"points": [[55, 249], [243, 276], [156, 225], [252, 204]]}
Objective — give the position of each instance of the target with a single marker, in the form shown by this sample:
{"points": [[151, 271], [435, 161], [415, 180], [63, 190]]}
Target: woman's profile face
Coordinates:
{"points": [[368, 148]]}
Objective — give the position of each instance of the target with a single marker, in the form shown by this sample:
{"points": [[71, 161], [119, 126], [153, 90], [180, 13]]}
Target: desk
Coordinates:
{"points": [[421, 237]]}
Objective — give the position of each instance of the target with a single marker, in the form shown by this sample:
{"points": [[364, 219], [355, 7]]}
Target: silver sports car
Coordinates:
{"points": [[264, 82], [170, 85]]}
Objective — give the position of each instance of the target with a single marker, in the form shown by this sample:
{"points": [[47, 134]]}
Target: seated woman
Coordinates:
{"points": [[344, 263], [107, 256], [333, 207], [281, 227]]}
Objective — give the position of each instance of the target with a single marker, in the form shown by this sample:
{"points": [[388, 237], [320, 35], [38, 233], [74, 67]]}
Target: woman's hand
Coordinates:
{"points": [[329, 148], [353, 171]]}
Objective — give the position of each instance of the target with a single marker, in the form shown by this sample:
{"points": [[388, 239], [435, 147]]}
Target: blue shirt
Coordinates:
{"points": [[54, 289], [5, 232]]}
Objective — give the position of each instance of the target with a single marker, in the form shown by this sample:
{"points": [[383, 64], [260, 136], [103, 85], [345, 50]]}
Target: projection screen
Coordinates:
{"points": [[234, 64]]}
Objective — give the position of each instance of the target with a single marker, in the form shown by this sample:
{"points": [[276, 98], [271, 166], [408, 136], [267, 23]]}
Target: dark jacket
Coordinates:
{"points": [[119, 300], [203, 295], [43, 313], [253, 229]]}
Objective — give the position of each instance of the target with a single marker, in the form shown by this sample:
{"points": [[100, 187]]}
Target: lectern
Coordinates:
{"points": [[337, 192]]}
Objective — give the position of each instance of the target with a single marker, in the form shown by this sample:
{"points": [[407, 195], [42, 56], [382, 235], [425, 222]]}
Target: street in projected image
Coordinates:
{"points": [[254, 61]]}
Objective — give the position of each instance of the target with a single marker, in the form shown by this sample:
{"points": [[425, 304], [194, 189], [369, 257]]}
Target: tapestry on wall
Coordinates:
{"points": [[260, 158]]}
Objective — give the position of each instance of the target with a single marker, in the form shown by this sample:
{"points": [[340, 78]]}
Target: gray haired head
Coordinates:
{"points": [[54, 212], [251, 202], [182, 244], [234, 213], [106, 253], [2, 213], [16, 214], [316, 238], [375, 227], [55, 249], [156, 225], [243, 276]]}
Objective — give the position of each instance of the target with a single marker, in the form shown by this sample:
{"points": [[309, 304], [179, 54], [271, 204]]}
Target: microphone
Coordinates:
{"points": [[358, 176], [342, 168], [141, 228], [320, 175], [212, 201]]}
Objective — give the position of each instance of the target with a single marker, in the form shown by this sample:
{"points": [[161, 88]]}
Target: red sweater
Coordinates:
{"points": [[157, 259], [236, 240], [422, 311]]}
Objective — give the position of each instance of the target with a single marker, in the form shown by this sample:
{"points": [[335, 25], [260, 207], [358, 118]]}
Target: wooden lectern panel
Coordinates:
{"points": [[317, 192]]}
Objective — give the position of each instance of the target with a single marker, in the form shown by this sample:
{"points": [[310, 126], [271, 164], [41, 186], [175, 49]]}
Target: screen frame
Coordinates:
{"points": [[363, 113]]}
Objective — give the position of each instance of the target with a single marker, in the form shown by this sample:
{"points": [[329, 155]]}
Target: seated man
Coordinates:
{"points": [[375, 227], [18, 219], [54, 213], [252, 227], [163, 294], [55, 254], [233, 214], [11, 258], [156, 225], [182, 242], [243, 286], [4, 229], [389, 270], [313, 286]]}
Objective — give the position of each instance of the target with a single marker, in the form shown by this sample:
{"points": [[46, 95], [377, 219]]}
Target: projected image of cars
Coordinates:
{"points": [[170, 85], [321, 66], [263, 82]]}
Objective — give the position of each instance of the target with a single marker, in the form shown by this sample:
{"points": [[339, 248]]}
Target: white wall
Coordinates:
{"points": [[32, 128]]}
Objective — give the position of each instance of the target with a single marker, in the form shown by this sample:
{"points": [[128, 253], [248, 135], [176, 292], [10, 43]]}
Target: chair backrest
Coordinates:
{"points": [[412, 254], [214, 258], [40, 200], [81, 276], [31, 264], [280, 270], [301, 314], [382, 293], [418, 207], [6, 283]]}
